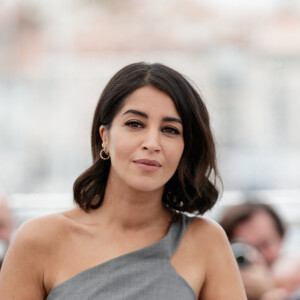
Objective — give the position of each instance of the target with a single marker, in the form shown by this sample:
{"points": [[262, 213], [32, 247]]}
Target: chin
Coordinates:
{"points": [[146, 186], [146, 189]]}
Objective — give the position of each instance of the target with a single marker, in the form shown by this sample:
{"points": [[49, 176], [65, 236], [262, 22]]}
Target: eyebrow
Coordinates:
{"points": [[142, 114]]}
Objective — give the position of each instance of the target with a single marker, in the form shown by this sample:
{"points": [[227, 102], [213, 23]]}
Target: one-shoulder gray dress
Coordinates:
{"points": [[144, 274]]}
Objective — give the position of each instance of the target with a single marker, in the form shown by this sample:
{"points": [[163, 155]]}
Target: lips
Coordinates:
{"points": [[147, 164]]}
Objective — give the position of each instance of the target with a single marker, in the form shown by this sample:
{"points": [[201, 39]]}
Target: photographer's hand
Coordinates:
{"points": [[257, 281], [275, 294]]}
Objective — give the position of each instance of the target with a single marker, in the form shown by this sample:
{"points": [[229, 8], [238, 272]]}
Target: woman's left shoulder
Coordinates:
{"points": [[212, 251], [205, 231]]}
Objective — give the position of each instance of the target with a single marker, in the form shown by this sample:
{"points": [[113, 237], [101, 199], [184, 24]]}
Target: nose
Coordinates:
{"points": [[151, 141]]}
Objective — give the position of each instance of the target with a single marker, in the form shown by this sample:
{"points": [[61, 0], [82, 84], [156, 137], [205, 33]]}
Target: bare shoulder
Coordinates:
{"points": [[206, 223], [35, 239], [31, 249], [222, 278], [41, 231], [208, 232], [211, 239], [43, 234]]}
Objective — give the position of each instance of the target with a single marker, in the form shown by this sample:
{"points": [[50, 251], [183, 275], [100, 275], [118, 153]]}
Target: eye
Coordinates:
{"points": [[171, 130], [134, 124]]}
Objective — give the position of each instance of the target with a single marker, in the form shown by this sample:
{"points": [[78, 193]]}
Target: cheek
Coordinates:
{"points": [[120, 146], [175, 154]]}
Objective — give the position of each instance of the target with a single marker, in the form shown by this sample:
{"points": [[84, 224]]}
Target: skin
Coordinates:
{"points": [[256, 276], [260, 232], [6, 224], [286, 272], [131, 216], [279, 276]]}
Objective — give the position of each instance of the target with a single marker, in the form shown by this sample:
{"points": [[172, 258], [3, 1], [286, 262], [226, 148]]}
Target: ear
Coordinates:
{"points": [[104, 135]]}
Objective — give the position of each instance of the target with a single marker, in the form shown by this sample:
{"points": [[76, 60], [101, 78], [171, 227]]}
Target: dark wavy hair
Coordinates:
{"points": [[193, 187]]}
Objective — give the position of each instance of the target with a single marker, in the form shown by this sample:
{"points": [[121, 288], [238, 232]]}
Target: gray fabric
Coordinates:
{"points": [[143, 274]]}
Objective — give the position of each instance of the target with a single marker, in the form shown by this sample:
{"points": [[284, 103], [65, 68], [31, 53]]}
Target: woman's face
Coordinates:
{"points": [[145, 140]]}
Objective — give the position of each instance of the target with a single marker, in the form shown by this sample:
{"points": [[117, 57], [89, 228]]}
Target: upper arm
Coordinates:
{"points": [[21, 275], [222, 276]]}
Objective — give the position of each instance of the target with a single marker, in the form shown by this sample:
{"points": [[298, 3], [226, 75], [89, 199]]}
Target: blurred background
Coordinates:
{"points": [[56, 56]]}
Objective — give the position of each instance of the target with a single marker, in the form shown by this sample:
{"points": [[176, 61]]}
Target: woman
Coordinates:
{"points": [[153, 158]]}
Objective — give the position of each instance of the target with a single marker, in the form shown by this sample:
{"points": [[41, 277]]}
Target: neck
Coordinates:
{"points": [[131, 209]]}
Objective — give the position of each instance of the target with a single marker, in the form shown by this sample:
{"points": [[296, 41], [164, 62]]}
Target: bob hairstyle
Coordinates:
{"points": [[193, 186]]}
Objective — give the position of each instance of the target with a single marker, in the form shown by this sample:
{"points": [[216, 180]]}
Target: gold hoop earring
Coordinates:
{"points": [[106, 157]]}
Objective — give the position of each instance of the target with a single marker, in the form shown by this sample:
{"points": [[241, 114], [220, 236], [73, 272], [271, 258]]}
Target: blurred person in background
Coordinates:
{"points": [[256, 274], [129, 236], [286, 273], [6, 226], [258, 225]]}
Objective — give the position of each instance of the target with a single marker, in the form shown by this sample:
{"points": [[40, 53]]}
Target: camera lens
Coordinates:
{"points": [[240, 251], [242, 261]]}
